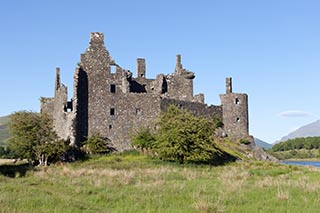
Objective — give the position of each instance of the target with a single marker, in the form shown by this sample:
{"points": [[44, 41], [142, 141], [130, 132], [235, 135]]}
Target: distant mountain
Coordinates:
{"points": [[4, 120], [309, 130], [262, 143], [4, 129]]}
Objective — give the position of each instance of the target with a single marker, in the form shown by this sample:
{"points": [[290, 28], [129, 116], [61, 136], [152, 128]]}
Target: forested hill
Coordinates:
{"points": [[298, 143]]}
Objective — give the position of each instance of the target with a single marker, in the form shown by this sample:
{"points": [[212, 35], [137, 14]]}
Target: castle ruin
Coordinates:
{"points": [[109, 100]]}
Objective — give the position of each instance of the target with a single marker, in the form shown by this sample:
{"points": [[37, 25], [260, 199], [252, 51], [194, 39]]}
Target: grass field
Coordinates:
{"points": [[135, 183]]}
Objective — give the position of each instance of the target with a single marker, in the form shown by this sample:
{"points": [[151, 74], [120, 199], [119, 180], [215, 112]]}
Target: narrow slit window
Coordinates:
{"points": [[238, 120], [112, 111], [113, 88], [237, 101], [138, 111], [110, 126]]}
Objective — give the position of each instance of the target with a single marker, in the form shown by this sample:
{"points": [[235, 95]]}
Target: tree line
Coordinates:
{"points": [[298, 143]]}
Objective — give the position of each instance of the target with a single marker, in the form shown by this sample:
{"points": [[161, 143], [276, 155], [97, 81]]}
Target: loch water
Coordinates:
{"points": [[303, 163]]}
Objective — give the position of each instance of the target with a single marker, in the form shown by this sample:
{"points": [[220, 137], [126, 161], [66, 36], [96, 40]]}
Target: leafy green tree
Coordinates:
{"points": [[3, 152], [184, 137], [33, 138], [24, 127], [96, 144], [143, 140]]}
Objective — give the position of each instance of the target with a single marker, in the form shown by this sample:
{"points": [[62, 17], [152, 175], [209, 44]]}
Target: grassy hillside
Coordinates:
{"points": [[135, 183], [4, 131]]}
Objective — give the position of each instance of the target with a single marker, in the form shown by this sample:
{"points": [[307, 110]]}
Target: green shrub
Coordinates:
{"points": [[96, 144], [143, 140], [217, 122], [183, 137], [244, 141]]}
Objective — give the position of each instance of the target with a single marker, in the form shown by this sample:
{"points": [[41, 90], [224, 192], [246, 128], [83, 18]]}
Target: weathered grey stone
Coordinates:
{"points": [[261, 155], [108, 100]]}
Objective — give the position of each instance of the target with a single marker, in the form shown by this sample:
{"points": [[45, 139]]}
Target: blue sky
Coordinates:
{"points": [[271, 49]]}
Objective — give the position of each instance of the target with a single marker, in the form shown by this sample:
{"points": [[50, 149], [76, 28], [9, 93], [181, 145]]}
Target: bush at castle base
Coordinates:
{"points": [[181, 137]]}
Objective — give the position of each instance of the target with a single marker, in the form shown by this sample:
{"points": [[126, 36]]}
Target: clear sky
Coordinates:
{"points": [[271, 49]]}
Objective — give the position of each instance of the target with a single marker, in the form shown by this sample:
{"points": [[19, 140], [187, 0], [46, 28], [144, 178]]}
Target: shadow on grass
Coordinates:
{"points": [[12, 170]]}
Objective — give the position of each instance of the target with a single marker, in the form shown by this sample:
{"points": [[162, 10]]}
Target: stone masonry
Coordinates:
{"points": [[109, 100]]}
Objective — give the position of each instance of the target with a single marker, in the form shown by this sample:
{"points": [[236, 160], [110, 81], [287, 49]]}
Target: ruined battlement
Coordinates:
{"points": [[109, 100]]}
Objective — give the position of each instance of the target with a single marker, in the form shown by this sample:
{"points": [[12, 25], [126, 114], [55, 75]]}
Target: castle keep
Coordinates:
{"points": [[109, 100]]}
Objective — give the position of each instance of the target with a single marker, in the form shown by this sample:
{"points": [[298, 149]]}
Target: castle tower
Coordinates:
{"points": [[141, 68], [180, 83], [235, 112], [179, 66], [57, 84]]}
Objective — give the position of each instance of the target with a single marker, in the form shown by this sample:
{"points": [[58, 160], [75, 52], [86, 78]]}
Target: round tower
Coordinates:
{"points": [[235, 112]]}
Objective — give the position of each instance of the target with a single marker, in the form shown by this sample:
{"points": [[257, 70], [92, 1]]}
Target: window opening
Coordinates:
{"points": [[237, 101], [69, 106], [138, 111], [113, 88], [113, 69], [238, 120], [112, 111], [110, 126]]}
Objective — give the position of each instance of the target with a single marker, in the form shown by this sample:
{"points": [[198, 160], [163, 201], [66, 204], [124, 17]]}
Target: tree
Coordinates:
{"points": [[3, 152], [143, 140], [184, 137], [23, 128], [96, 144], [33, 137]]}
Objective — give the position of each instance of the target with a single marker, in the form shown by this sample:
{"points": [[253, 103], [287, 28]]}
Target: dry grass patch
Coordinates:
{"points": [[140, 177], [204, 204], [303, 183], [12, 161], [5, 161], [282, 194], [233, 178]]}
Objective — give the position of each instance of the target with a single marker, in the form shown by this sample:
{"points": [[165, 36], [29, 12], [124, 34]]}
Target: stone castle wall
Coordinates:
{"points": [[235, 112], [198, 109], [108, 100]]}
